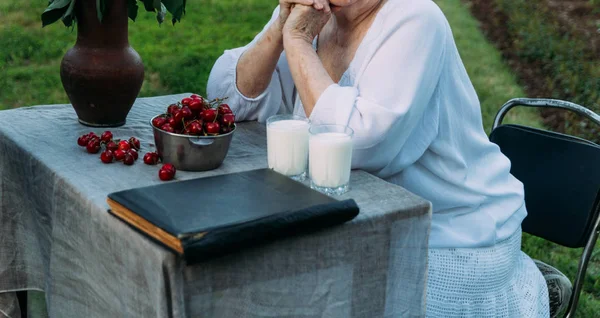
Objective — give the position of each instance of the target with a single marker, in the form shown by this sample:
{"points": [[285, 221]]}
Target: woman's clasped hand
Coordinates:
{"points": [[302, 19]]}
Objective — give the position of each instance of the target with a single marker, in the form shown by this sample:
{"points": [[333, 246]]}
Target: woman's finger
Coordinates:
{"points": [[321, 5], [303, 2], [318, 5], [327, 9]]}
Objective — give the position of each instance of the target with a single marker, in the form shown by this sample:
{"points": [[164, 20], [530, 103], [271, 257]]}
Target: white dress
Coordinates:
{"points": [[417, 123]]}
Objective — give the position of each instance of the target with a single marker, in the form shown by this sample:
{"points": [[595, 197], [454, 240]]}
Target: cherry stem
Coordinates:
{"points": [[217, 100]]}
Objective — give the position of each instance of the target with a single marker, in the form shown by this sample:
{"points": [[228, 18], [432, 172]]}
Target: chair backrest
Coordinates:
{"points": [[561, 176]]}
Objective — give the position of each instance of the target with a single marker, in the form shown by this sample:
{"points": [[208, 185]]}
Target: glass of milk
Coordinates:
{"points": [[287, 145], [330, 158]]}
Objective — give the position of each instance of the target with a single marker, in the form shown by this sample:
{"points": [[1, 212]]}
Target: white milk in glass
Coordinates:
{"points": [[330, 159], [287, 147]]}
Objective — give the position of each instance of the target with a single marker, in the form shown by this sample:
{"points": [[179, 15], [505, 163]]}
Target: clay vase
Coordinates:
{"points": [[102, 74]]}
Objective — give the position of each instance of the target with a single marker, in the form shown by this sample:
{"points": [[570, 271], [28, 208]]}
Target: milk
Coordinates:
{"points": [[330, 159], [287, 146]]}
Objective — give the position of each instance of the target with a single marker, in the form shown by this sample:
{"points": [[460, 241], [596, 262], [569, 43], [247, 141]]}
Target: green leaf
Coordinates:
{"points": [[173, 5], [55, 10], [69, 17], [100, 9], [160, 15], [176, 8], [149, 5], [132, 9]]}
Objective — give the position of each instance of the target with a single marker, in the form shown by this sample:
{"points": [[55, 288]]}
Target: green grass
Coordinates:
{"points": [[178, 59]]}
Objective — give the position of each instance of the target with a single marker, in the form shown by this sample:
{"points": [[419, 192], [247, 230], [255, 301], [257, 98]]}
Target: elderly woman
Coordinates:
{"points": [[390, 70]]}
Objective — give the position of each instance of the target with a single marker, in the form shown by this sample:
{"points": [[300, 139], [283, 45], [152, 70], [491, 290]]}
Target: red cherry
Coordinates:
{"points": [[191, 127], [195, 96], [91, 134], [128, 160], [228, 120], [83, 140], [195, 128], [133, 153], [169, 166], [186, 112], [124, 145], [212, 128], [197, 105], [167, 172], [171, 122], [226, 129], [158, 121], [178, 116], [176, 122], [151, 158], [107, 156], [224, 109], [106, 136], [119, 154], [168, 128], [172, 108], [112, 146], [94, 138], [165, 175], [134, 143], [186, 101], [93, 146], [208, 115]]}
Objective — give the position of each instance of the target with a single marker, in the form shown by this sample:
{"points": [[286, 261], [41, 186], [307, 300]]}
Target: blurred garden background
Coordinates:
{"points": [[511, 48]]}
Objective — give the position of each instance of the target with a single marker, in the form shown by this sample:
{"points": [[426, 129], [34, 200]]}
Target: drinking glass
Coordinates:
{"points": [[330, 158], [287, 145]]}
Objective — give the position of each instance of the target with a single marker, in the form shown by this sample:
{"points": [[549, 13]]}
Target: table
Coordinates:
{"points": [[57, 237]]}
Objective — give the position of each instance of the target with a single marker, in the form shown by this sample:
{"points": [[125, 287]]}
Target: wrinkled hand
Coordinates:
{"points": [[285, 7], [304, 23]]}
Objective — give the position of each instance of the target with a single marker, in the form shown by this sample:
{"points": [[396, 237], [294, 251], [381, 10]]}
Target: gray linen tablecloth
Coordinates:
{"points": [[56, 236]]}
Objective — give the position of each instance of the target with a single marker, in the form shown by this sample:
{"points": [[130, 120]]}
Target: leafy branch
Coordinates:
{"points": [[64, 10]]}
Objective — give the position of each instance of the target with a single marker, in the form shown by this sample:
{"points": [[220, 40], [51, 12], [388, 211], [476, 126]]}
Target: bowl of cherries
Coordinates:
{"points": [[194, 134]]}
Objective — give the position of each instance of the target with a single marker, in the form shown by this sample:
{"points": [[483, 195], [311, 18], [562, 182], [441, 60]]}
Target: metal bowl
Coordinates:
{"points": [[191, 153]]}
